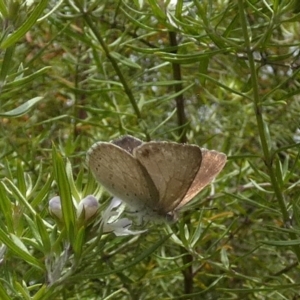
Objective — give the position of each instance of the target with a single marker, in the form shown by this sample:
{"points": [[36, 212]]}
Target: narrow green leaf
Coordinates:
{"points": [[124, 60], [21, 290], [260, 173], [3, 294], [203, 68], [179, 9], [41, 293], [6, 208], [11, 188], [184, 234], [30, 21], [137, 259], [225, 87], [43, 233], [72, 184], [187, 58], [279, 173], [282, 243], [21, 178], [171, 96], [268, 136], [67, 205], [20, 80], [151, 50], [260, 188], [41, 192], [15, 245], [157, 9], [134, 20], [224, 258], [3, 9], [6, 63], [53, 9], [22, 109], [79, 241], [162, 83]]}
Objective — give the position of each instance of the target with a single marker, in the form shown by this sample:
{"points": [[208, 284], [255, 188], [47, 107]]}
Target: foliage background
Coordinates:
{"points": [[220, 74]]}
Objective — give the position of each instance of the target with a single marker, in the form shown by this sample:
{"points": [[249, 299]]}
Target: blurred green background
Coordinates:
{"points": [[220, 74]]}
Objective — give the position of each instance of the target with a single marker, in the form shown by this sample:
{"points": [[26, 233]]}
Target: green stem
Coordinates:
{"points": [[181, 117], [263, 135], [113, 62]]}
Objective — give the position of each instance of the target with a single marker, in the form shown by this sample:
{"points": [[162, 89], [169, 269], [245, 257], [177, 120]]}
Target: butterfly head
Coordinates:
{"points": [[155, 216], [171, 217]]}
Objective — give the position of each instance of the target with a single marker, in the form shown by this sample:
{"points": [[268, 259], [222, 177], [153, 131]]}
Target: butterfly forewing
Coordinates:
{"points": [[172, 167], [121, 174], [212, 164]]}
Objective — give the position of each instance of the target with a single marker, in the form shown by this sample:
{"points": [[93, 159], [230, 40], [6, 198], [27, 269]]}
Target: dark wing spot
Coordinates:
{"points": [[145, 153]]}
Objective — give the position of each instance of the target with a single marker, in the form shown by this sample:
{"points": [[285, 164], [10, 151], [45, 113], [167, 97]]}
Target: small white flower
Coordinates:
{"points": [[89, 205], [111, 223]]}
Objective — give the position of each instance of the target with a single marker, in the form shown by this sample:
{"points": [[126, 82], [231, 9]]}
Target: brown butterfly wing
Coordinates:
{"points": [[121, 174], [172, 167], [212, 164]]}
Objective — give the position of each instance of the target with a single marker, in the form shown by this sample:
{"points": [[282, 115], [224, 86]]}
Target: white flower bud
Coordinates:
{"points": [[55, 207], [89, 206]]}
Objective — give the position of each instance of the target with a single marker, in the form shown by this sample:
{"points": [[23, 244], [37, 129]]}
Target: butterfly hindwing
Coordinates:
{"points": [[212, 164], [172, 167]]}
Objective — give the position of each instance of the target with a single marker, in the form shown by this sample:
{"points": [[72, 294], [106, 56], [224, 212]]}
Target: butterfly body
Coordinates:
{"points": [[154, 178]]}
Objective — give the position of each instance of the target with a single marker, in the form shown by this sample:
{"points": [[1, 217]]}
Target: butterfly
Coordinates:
{"points": [[154, 178]]}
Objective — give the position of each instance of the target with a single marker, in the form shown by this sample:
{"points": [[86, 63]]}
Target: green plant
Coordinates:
{"points": [[223, 75]]}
